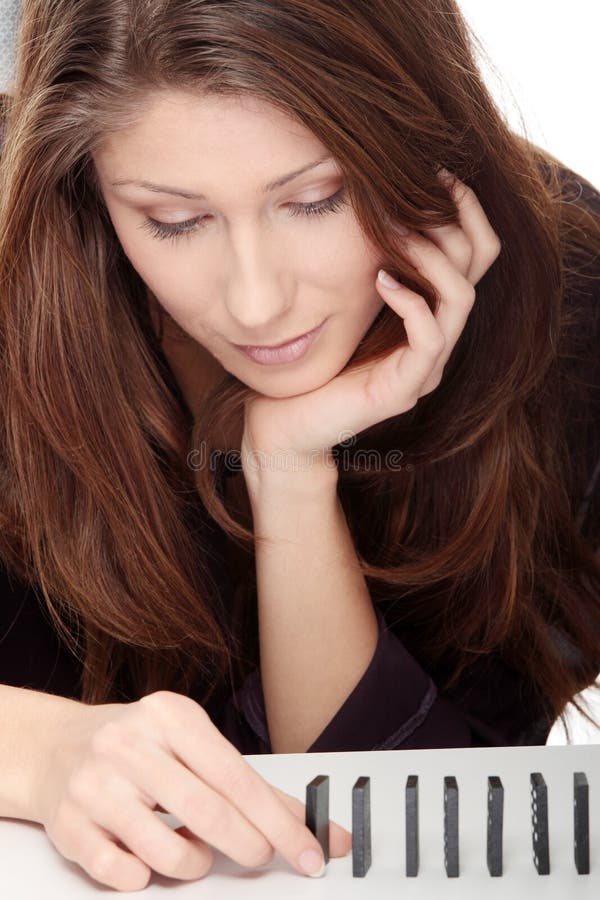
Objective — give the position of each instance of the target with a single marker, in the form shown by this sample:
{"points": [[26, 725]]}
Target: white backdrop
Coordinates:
{"points": [[544, 66], [540, 61]]}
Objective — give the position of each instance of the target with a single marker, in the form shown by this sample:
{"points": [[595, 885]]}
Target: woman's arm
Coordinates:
{"points": [[317, 626], [30, 723], [397, 705]]}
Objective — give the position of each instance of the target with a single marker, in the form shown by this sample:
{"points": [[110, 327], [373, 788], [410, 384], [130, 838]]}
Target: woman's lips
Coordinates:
{"points": [[284, 353]]}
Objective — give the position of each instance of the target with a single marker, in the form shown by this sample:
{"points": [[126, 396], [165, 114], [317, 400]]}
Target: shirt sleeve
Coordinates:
{"points": [[395, 705]]}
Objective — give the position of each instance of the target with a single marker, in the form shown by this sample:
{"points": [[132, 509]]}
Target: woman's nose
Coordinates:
{"points": [[258, 293]]}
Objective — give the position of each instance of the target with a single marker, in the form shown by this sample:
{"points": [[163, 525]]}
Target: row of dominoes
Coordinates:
{"points": [[317, 820]]}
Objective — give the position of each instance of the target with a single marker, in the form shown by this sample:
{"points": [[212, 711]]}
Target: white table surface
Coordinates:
{"points": [[32, 867]]}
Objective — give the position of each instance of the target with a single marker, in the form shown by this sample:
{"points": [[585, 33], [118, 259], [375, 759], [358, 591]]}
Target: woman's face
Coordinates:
{"points": [[250, 266]]}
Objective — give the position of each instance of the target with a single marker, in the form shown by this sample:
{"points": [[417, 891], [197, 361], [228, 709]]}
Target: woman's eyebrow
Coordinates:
{"points": [[179, 192]]}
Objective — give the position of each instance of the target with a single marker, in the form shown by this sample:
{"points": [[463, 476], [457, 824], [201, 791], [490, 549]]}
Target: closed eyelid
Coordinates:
{"points": [[316, 183], [160, 229], [322, 188], [313, 180]]}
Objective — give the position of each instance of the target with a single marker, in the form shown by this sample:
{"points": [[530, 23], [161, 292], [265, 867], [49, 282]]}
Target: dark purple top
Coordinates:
{"points": [[396, 704]]}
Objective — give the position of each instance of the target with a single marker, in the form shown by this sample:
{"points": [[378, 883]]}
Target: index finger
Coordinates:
{"points": [[208, 754], [475, 224]]}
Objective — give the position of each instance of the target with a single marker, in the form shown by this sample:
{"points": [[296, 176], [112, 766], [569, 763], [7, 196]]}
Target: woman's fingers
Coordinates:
{"points": [[475, 225], [394, 385], [97, 852], [453, 259], [207, 784], [119, 809], [471, 245], [150, 844], [203, 810], [453, 242], [456, 294], [340, 839], [125, 760]]}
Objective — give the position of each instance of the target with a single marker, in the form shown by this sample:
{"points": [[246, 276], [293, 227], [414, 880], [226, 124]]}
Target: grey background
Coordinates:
{"points": [[9, 16]]}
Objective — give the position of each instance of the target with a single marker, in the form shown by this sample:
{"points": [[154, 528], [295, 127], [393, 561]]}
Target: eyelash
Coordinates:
{"points": [[173, 231]]}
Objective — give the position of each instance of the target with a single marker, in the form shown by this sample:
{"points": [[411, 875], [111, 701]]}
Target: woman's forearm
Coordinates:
{"points": [[317, 627], [29, 722]]}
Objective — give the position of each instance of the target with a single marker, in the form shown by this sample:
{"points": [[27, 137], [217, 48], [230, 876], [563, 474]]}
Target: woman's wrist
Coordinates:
{"points": [[33, 723], [275, 472]]}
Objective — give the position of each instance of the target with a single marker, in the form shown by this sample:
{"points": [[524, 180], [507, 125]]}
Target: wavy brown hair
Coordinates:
{"points": [[472, 545]]}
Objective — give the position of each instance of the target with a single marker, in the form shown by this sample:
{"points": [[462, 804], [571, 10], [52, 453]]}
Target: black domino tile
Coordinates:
{"points": [[539, 823], [451, 826], [581, 813], [317, 811], [317, 820], [361, 827], [495, 814], [411, 795]]}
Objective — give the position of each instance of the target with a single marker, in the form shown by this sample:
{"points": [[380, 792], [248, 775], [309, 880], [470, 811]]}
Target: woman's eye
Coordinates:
{"points": [[330, 204], [164, 231]]}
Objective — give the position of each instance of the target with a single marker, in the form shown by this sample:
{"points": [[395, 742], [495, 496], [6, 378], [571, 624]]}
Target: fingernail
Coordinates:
{"points": [[312, 863], [387, 280], [445, 175]]}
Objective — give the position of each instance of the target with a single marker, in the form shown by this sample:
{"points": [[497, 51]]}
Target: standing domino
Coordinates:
{"points": [[495, 809], [317, 811], [539, 822], [361, 827], [451, 826], [582, 823], [411, 795]]}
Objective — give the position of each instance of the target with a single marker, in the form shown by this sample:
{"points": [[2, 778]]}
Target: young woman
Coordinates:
{"points": [[390, 525]]}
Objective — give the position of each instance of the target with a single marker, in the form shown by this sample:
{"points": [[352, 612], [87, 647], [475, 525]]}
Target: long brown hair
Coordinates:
{"points": [[472, 542]]}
